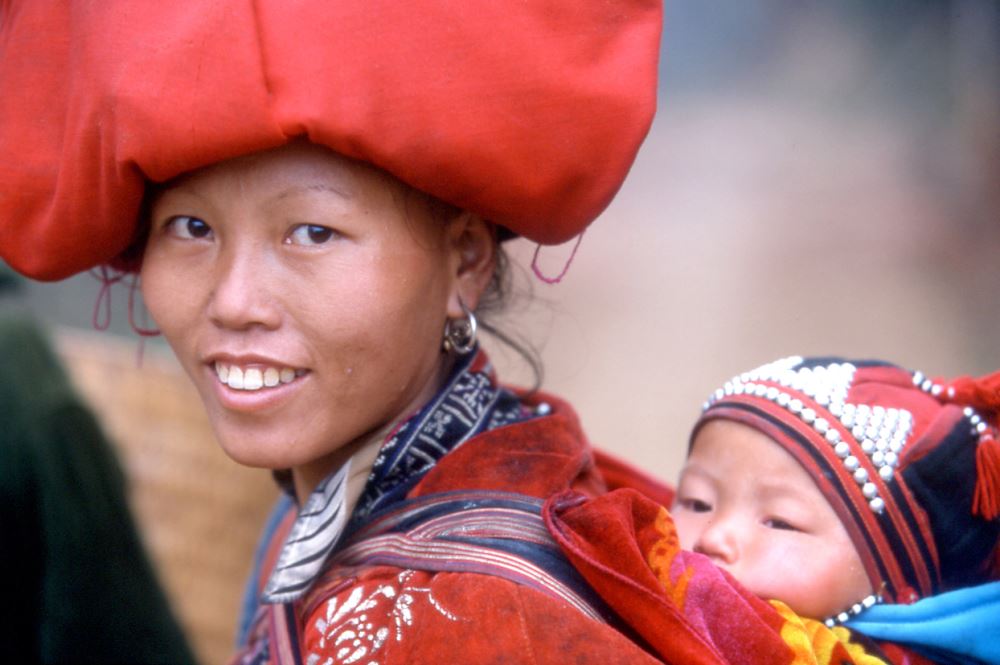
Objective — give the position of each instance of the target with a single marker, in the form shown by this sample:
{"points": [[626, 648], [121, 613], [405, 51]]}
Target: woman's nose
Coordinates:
{"points": [[243, 291], [720, 540]]}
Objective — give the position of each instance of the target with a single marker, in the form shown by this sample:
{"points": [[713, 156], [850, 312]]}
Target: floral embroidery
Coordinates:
{"points": [[352, 631]]}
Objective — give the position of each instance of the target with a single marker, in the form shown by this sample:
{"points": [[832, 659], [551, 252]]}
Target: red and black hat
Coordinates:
{"points": [[527, 113], [910, 464]]}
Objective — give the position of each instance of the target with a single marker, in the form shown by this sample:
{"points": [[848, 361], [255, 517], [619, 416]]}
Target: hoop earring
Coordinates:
{"points": [[460, 334]]}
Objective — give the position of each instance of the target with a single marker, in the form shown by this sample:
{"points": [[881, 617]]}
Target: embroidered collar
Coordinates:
{"points": [[469, 403]]}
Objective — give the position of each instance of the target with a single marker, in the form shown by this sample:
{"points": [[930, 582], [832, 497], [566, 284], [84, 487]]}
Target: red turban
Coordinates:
{"points": [[527, 113]]}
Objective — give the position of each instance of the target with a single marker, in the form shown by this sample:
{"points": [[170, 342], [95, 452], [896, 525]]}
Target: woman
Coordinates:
{"points": [[313, 194]]}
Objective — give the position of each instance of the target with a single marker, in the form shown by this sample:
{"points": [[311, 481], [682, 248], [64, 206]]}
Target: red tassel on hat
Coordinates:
{"points": [[986, 501], [983, 395]]}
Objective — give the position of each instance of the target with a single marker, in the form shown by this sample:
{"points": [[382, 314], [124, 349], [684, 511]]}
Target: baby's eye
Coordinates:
{"points": [[187, 228], [310, 234], [695, 505], [780, 524]]}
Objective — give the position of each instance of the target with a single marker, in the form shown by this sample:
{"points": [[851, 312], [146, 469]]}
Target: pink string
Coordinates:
{"points": [[569, 262], [142, 331], [103, 275]]}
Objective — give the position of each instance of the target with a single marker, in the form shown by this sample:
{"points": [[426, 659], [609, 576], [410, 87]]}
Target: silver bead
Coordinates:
{"points": [[891, 458], [843, 616], [871, 432], [719, 394], [885, 472], [543, 409], [808, 415], [760, 390], [856, 609], [837, 408], [878, 458], [772, 393], [821, 425], [936, 389], [832, 435], [795, 406], [861, 475], [842, 450], [918, 378], [869, 490], [851, 462], [868, 446], [783, 399], [877, 504], [926, 385], [858, 432], [981, 427], [869, 601]]}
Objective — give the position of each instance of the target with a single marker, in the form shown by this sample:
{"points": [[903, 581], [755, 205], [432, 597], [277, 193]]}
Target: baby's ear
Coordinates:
{"points": [[474, 242]]}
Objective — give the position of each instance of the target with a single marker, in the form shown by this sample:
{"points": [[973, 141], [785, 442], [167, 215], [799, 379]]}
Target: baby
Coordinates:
{"points": [[835, 485]]}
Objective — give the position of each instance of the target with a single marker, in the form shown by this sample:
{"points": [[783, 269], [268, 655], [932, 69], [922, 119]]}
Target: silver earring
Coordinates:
{"points": [[460, 334]]}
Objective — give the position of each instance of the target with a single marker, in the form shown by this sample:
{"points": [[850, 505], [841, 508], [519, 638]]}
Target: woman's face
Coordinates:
{"points": [[305, 294], [748, 505]]}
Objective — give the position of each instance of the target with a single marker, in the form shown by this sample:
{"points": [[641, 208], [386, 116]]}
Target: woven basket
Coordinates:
{"points": [[199, 512]]}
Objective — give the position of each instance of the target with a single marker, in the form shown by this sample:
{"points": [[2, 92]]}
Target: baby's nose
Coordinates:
{"points": [[720, 540]]}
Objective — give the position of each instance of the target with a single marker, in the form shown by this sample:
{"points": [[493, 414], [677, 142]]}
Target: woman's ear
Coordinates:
{"points": [[474, 242]]}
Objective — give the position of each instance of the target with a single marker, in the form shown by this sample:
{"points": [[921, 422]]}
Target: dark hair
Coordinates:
{"points": [[495, 299]]}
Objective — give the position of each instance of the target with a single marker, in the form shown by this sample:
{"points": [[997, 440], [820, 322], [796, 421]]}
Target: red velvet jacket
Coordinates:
{"points": [[387, 615]]}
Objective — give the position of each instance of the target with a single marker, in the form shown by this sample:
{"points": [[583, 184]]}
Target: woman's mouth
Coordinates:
{"points": [[255, 377]]}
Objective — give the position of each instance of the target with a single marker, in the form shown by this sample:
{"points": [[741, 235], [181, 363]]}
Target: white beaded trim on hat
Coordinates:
{"points": [[853, 611], [979, 426], [879, 432]]}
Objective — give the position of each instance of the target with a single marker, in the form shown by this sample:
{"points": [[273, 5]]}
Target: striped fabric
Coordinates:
{"points": [[490, 533], [313, 536]]}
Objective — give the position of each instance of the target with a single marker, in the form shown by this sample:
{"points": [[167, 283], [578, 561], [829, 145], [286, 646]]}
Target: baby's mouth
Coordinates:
{"points": [[256, 377]]}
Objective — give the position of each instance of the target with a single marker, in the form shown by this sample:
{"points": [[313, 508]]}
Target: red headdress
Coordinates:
{"points": [[528, 113], [910, 464]]}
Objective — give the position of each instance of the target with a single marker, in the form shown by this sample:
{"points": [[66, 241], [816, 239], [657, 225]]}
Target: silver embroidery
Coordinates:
{"points": [[353, 628]]}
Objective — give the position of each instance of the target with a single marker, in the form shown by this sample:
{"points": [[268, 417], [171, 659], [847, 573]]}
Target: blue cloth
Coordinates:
{"points": [[961, 626]]}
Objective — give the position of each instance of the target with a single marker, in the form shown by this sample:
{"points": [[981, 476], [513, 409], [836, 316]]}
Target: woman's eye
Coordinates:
{"points": [[780, 524], [310, 234], [188, 228]]}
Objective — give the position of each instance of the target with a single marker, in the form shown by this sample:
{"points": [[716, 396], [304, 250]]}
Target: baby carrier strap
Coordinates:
{"points": [[478, 531]]}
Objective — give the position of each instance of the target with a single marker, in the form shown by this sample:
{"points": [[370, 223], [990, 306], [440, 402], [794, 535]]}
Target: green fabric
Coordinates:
{"points": [[76, 581]]}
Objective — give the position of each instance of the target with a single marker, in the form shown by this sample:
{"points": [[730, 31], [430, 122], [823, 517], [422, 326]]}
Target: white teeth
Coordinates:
{"points": [[235, 378], [254, 378]]}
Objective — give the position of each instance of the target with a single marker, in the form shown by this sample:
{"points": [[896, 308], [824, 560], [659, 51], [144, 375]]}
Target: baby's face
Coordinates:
{"points": [[747, 504]]}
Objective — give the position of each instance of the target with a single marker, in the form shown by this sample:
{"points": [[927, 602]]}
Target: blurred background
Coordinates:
{"points": [[821, 178]]}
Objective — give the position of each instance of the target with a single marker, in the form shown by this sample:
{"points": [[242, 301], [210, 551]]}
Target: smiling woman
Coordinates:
{"points": [[314, 202], [313, 302]]}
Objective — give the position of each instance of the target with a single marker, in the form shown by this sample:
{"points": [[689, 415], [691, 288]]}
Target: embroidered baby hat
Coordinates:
{"points": [[527, 113], [910, 464]]}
